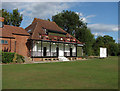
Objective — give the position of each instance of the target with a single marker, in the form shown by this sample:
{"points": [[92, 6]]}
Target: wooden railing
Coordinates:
{"points": [[40, 54]]}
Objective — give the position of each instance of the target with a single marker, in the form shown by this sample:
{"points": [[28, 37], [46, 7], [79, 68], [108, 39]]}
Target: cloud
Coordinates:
{"points": [[78, 13], [41, 0], [60, 0], [37, 9], [90, 16], [98, 34], [85, 19], [30, 10], [103, 27]]}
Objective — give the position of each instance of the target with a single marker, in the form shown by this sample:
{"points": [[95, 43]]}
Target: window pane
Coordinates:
{"points": [[0, 24], [2, 41], [6, 42]]}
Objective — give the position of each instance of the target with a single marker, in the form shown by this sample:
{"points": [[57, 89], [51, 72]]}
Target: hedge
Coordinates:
{"points": [[7, 57]]}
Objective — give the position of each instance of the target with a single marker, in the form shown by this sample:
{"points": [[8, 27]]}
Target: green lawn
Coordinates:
{"points": [[89, 74]]}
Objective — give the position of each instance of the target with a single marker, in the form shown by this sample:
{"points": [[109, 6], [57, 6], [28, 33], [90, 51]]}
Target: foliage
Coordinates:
{"points": [[68, 21], [84, 35], [71, 23], [14, 18], [107, 42], [15, 57], [8, 57], [113, 49], [97, 44], [118, 49], [20, 59]]}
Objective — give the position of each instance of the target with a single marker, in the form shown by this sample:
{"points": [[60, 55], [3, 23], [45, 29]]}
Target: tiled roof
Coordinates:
{"points": [[48, 25], [36, 30], [8, 31], [5, 33]]}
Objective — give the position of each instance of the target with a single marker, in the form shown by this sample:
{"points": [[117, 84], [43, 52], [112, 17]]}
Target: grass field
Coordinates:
{"points": [[89, 74]]}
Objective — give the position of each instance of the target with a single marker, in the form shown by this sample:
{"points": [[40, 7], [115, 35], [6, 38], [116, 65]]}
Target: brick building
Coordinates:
{"points": [[41, 39], [13, 39]]}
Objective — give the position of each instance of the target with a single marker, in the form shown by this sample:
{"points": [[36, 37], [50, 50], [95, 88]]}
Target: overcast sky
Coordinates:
{"points": [[102, 17]]}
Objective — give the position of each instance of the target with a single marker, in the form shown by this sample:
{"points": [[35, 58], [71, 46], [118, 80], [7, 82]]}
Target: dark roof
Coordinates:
{"points": [[8, 31], [37, 26]]}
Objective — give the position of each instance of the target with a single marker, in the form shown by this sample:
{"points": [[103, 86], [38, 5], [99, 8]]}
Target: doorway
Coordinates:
{"points": [[44, 51], [57, 51], [70, 51]]}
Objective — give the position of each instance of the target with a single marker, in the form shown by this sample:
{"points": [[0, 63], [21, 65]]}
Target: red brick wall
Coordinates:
{"points": [[37, 59], [7, 47], [21, 47]]}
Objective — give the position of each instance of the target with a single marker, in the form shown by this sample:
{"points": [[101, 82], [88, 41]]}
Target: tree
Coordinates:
{"points": [[48, 19], [84, 35], [6, 15], [71, 23], [68, 21], [113, 49], [14, 18], [97, 44], [118, 49], [107, 42]]}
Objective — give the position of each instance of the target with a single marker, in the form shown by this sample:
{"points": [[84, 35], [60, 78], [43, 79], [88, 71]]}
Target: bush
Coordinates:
{"points": [[8, 57], [20, 59]]}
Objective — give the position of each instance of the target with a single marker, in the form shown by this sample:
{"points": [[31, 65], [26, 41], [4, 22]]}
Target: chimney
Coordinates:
{"points": [[1, 22], [34, 20]]}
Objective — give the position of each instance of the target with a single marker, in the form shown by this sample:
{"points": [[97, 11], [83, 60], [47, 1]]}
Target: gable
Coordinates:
{"points": [[46, 30]]}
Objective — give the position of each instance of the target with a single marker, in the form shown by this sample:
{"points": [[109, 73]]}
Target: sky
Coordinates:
{"points": [[101, 17]]}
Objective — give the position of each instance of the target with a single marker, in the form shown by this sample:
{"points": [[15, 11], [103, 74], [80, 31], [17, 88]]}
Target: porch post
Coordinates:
{"points": [[37, 46], [50, 48], [41, 47], [32, 47], [64, 49], [76, 50], [31, 52]]}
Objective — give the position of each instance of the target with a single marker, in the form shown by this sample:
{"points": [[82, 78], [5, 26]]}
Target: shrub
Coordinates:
{"points": [[15, 57], [20, 59], [7, 57]]}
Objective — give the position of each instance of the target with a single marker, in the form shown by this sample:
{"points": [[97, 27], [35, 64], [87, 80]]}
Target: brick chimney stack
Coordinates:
{"points": [[1, 22]]}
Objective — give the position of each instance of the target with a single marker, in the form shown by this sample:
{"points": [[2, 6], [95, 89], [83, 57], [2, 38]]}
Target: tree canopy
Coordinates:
{"points": [[84, 35], [107, 42], [14, 18], [68, 20], [71, 23]]}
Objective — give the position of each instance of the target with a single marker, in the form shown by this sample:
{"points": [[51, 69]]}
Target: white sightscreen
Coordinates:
{"points": [[103, 52]]}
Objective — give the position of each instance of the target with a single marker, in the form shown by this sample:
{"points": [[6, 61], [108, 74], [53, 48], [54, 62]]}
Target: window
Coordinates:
{"points": [[57, 34], [15, 47], [45, 30], [4, 42], [68, 39], [0, 24], [61, 38], [29, 30]]}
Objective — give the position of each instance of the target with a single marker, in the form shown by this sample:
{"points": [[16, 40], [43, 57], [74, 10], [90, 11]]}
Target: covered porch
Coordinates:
{"points": [[44, 49]]}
